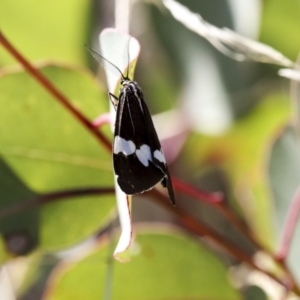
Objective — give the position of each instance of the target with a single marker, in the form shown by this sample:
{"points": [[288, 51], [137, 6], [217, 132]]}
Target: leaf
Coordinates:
{"points": [[49, 150], [279, 23], [120, 50], [255, 293], [52, 30], [20, 232], [167, 265], [241, 154], [284, 173]]}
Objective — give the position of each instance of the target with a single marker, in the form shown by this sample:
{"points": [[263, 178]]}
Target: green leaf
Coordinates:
{"points": [[255, 293], [41, 29], [167, 265], [241, 154], [284, 173], [280, 21], [49, 150], [20, 232]]}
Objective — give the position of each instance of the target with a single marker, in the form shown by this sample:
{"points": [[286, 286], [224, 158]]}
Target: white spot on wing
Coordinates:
{"points": [[121, 145], [158, 154], [144, 155]]}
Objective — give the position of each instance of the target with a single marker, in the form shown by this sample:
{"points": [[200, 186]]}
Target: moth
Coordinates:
{"points": [[138, 160]]}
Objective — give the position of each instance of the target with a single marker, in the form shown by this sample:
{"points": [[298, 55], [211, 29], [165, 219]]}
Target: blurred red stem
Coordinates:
{"points": [[210, 198], [200, 229], [53, 91], [51, 197], [216, 200]]}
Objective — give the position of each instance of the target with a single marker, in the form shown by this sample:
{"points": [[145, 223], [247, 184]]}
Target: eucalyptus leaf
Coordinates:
{"points": [[166, 265], [284, 174], [49, 150]]}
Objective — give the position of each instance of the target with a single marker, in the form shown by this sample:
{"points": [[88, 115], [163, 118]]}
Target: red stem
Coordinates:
{"points": [[55, 196], [200, 229], [54, 91], [216, 200], [210, 198]]}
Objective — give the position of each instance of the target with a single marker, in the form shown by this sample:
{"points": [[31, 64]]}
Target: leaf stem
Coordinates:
{"points": [[217, 200], [55, 196], [200, 229]]}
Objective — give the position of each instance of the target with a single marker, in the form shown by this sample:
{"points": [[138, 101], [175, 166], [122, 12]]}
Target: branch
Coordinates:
{"points": [[217, 200], [225, 40]]}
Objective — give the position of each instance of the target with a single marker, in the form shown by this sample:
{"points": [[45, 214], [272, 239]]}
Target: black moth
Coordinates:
{"points": [[139, 162]]}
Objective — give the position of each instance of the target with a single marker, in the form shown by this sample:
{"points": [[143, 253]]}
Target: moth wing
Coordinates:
{"points": [[138, 159]]}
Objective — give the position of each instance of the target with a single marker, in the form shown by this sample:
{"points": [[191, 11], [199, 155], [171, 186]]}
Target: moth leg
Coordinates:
{"points": [[114, 100]]}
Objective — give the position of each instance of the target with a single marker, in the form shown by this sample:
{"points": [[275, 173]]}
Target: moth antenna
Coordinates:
{"points": [[99, 58]]}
